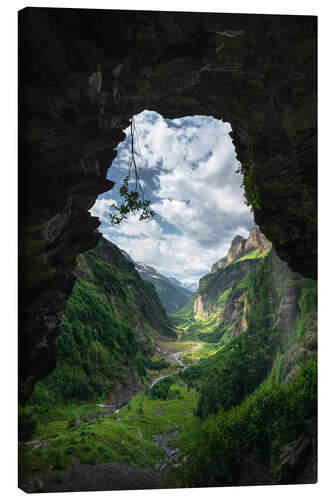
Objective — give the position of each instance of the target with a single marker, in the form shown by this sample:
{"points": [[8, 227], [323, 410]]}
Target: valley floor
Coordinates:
{"points": [[97, 447]]}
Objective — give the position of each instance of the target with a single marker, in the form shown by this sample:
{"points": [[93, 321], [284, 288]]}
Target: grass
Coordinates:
{"points": [[224, 296], [256, 254], [207, 349], [198, 326], [178, 346], [181, 317], [68, 431], [125, 437]]}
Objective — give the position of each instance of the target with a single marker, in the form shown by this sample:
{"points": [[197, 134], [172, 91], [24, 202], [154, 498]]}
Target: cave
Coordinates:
{"points": [[84, 73]]}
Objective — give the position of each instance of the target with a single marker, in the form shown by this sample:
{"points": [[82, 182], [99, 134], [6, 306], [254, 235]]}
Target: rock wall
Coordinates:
{"points": [[241, 246], [84, 73], [213, 301]]}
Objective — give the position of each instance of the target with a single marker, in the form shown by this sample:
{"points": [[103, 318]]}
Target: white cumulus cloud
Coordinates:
{"points": [[188, 167]]}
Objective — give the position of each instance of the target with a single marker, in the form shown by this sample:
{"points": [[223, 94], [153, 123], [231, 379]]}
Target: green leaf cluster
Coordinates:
{"points": [[131, 204]]}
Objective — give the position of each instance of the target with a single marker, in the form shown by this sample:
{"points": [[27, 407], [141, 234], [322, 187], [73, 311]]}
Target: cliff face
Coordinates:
{"points": [[240, 246], [221, 300], [83, 74], [261, 368], [220, 305]]}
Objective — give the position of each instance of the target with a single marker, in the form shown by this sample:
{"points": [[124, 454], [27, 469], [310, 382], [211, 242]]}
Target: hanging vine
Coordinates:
{"points": [[133, 200]]}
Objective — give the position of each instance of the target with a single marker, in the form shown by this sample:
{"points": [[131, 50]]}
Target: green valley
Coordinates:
{"points": [[222, 389]]}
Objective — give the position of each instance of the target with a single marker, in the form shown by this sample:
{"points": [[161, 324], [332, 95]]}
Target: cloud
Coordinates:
{"points": [[188, 168], [132, 227], [102, 208], [173, 255]]}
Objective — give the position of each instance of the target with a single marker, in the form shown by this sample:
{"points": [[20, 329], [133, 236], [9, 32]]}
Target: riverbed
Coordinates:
{"points": [[172, 358]]}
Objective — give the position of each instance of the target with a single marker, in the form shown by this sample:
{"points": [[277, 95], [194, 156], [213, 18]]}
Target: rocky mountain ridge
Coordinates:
{"points": [[221, 309], [220, 306], [241, 246], [172, 292]]}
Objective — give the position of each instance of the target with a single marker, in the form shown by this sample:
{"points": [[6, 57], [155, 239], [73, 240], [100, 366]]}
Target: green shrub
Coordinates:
{"points": [[27, 424], [259, 427], [161, 390]]}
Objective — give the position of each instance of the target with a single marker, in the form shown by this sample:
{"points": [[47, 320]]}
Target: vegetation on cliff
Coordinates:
{"points": [[272, 339], [111, 323], [219, 448], [220, 306], [257, 394]]}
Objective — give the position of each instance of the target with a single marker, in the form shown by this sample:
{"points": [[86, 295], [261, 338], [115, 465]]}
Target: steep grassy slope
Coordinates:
{"points": [[110, 327], [280, 335], [257, 392], [269, 438], [134, 300]]}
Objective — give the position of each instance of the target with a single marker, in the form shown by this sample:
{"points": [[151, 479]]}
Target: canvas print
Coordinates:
{"points": [[167, 250]]}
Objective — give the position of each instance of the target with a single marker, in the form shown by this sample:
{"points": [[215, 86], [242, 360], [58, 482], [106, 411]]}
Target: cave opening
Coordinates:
{"points": [[92, 326], [258, 72], [188, 170]]}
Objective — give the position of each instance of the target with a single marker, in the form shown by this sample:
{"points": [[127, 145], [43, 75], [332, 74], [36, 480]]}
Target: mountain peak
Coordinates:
{"points": [[238, 240], [240, 247], [256, 240]]}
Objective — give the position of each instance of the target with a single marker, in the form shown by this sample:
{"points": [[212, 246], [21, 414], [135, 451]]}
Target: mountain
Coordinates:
{"points": [[188, 286], [254, 388], [257, 394], [219, 307], [173, 293], [252, 247], [111, 325], [191, 286]]}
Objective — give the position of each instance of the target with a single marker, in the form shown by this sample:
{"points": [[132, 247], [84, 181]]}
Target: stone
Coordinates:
{"points": [[293, 452], [83, 74]]}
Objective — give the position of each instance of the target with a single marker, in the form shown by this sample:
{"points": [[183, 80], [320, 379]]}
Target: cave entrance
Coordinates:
{"points": [[187, 169]]}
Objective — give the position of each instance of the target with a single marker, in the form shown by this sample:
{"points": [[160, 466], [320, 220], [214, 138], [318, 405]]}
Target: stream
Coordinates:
{"points": [[175, 357]]}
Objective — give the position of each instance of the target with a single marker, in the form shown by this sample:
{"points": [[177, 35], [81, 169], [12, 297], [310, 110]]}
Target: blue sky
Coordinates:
{"points": [[187, 167]]}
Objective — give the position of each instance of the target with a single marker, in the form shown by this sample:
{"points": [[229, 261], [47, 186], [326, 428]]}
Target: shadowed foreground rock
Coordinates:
{"points": [[102, 477]]}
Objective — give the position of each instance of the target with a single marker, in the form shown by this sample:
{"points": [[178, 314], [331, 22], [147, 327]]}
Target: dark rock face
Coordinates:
{"points": [[84, 73], [240, 246], [110, 476]]}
